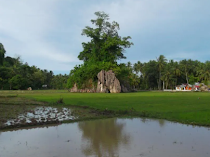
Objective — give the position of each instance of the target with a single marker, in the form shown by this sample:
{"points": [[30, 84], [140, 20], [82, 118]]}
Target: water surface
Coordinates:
{"points": [[108, 138]]}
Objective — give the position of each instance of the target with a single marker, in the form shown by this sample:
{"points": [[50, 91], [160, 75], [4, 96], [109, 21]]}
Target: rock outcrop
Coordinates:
{"points": [[86, 90], [204, 88], [107, 82]]}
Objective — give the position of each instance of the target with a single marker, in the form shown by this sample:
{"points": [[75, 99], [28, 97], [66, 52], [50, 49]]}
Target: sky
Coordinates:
{"points": [[47, 33]]}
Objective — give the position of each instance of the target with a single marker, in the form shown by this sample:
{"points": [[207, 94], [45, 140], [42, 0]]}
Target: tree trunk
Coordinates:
{"points": [[163, 85], [159, 84], [187, 78]]}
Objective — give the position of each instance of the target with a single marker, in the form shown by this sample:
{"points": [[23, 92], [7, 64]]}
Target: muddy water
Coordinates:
{"points": [[108, 138]]}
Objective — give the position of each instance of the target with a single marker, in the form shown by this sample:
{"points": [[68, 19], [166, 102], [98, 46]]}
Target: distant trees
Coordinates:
{"points": [[59, 81], [17, 75], [204, 72], [160, 73]]}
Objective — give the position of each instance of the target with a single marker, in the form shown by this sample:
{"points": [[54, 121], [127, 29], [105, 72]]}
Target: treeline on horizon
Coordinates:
{"points": [[148, 75], [151, 75], [14, 74], [162, 73]]}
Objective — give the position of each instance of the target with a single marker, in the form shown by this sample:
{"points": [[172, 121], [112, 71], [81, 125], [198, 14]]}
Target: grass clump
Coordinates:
{"points": [[60, 101]]}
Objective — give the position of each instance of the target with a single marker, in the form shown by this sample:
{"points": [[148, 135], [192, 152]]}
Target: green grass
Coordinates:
{"points": [[184, 107]]}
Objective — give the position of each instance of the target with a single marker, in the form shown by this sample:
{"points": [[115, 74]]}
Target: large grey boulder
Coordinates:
{"points": [[204, 88], [107, 82], [75, 89]]}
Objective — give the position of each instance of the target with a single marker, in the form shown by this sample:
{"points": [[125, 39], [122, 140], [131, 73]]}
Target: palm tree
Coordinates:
{"points": [[129, 65], [177, 71], [167, 75], [204, 72], [136, 68], [185, 64], [161, 61]]}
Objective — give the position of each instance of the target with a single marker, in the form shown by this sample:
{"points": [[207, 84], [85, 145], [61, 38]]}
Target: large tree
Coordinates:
{"points": [[106, 45], [161, 62], [101, 52]]}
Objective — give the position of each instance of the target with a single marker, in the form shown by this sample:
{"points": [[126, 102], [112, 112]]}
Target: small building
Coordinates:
{"points": [[196, 87], [184, 87], [44, 86]]}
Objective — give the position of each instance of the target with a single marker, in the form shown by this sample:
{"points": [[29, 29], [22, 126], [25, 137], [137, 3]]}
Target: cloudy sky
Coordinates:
{"points": [[47, 33]]}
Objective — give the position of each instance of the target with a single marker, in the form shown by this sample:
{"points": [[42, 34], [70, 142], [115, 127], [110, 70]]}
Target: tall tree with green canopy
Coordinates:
{"points": [[105, 45], [2, 53], [161, 62]]}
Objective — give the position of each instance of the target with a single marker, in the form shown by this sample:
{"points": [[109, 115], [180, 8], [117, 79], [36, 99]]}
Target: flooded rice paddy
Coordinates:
{"points": [[113, 137]]}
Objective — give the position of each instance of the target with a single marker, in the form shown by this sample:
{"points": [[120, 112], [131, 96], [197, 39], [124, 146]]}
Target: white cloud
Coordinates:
{"points": [[26, 20], [25, 25]]}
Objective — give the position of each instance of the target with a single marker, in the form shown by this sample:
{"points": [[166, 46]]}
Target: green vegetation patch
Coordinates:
{"points": [[184, 107]]}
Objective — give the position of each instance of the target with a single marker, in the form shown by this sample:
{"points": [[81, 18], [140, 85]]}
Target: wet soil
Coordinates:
{"points": [[18, 112]]}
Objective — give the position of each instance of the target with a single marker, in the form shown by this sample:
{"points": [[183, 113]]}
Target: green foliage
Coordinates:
{"points": [[85, 75], [2, 53], [105, 45], [17, 75], [59, 81], [17, 81], [101, 53], [161, 62], [171, 72], [9, 61], [182, 107], [193, 79]]}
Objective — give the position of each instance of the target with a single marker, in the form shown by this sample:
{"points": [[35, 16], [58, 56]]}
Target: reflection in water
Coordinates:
{"points": [[103, 138], [108, 138], [143, 120], [161, 122]]}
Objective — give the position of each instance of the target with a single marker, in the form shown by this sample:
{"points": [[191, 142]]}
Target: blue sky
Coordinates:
{"points": [[47, 33]]}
